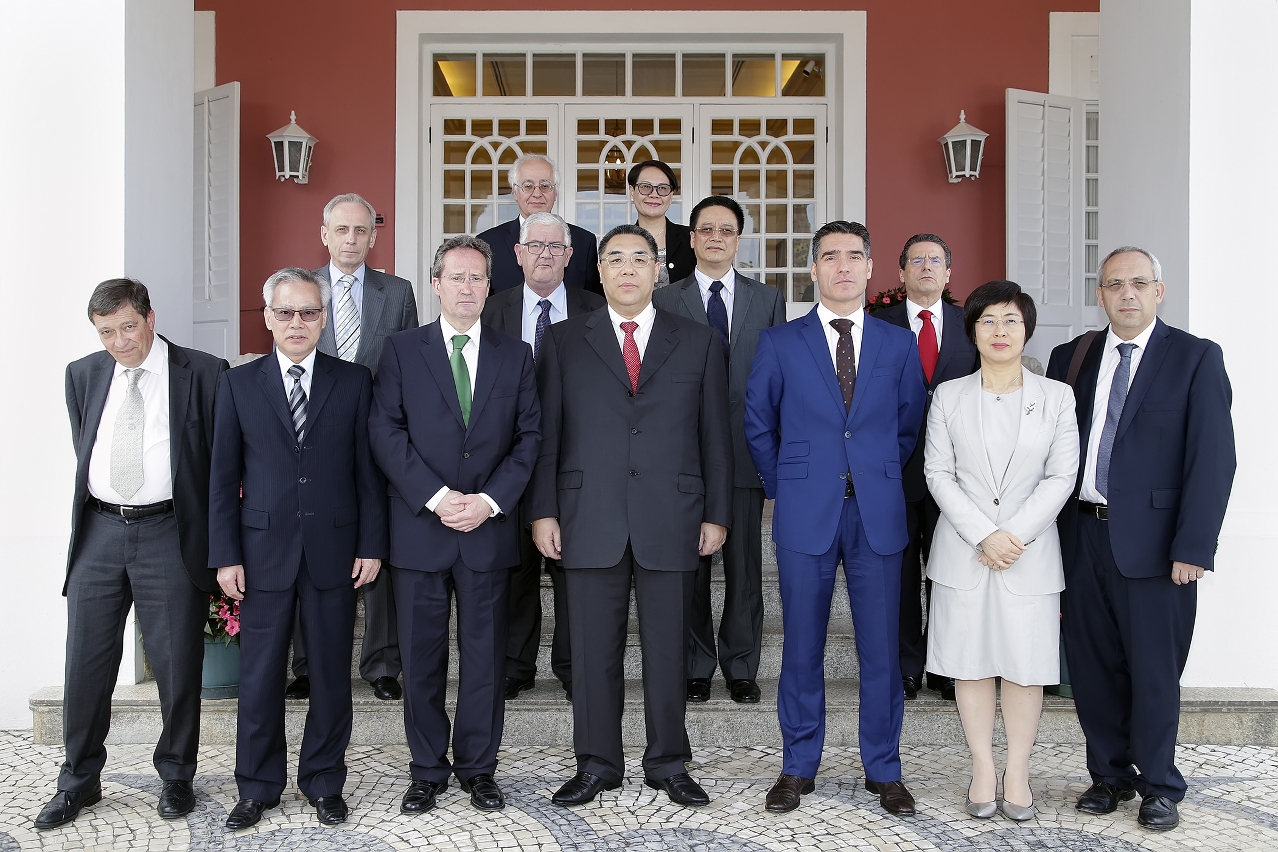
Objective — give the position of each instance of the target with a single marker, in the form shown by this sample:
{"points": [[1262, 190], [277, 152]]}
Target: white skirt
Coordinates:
{"points": [[989, 632]]}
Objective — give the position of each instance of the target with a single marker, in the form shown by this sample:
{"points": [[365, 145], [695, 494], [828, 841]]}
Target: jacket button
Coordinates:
{"points": [[634, 473], [299, 514], [843, 475], [847, 434], [930, 391], [995, 501], [303, 479], [465, 455], [634, 431]]}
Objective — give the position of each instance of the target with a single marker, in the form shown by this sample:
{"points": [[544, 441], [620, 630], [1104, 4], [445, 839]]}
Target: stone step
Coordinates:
{"points": [[542, 716]]}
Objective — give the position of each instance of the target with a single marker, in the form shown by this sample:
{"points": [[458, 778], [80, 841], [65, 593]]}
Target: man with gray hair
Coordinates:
{"points": [[534, 181]]}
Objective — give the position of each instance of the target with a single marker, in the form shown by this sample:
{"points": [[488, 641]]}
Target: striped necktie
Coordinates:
{"points": [[347, 320], [297, 401]]}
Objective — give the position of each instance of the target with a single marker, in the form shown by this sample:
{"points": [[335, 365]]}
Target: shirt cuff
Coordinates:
{"points": [[434, 501], [496, 509]]}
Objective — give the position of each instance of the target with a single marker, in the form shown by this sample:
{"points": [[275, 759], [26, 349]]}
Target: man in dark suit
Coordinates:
{"points": [[455, 426], [1157, 443], [633, 483], [368, 307], [297, 520], [545, 248], [946, 354], [534, 181], [737, 308], [141, 423], [833, 408]]}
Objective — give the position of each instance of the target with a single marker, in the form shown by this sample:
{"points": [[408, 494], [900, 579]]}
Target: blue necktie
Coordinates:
{"points": [[717, 313], [1117, 398], [543, 322]]}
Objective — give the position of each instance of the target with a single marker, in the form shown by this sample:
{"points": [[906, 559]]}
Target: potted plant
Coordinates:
{"points": [[221, 677], [888, 298]]}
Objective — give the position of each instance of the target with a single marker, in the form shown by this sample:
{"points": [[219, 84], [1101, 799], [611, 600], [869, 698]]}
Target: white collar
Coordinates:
{"points": [[1141, 340], [825, 315], [913, 309], [307, 363], [645, 318], [156, 361]]}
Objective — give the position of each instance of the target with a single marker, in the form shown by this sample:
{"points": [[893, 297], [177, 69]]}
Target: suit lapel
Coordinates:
{"points": [[1085, 390], [974, 427], [99, 384], [490, 358], [661, 342], [814, 335], [512, 316], [690, 292], [321, 385], [370, 312], [328, 335], [271, 381], [1150, 361], [951, 328], [603, 340], [1032, 418], [871, 343], [179, 401], [741, 298], [435, 352]]}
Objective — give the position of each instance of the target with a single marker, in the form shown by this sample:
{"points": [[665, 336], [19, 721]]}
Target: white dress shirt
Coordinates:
{"points": [[645, 319], [728, 293], [470, 354], [558, 310], [1109, 363], [157, 468], [916, 322], [307, 364], [357, 291], [832, 336]]}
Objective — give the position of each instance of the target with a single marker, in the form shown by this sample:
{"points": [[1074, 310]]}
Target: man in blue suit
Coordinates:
{"points": [[456, 427], [297, 515], [1157, 444], [833, 409]]}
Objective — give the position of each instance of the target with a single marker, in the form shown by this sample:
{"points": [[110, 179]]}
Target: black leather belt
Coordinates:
{"points": [[1096, 510], [132, 513]]}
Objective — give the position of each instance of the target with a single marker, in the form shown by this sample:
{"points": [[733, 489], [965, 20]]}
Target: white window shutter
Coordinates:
{"points": [[216, 273]]}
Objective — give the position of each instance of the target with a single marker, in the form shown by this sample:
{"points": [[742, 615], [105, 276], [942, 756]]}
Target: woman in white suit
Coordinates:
{"points": [[1001, 458]]}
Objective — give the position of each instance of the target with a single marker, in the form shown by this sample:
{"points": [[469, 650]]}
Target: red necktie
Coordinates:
{"points": [[630, 354], [927, 345]]}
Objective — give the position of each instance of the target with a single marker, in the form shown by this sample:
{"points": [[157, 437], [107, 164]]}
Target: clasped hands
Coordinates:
{"points": [[1000, 550], [231, 577], [546, 535], [463, 512]]}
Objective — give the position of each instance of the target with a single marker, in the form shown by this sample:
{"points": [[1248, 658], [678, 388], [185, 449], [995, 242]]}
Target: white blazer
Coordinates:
{"points": [[974, 503]]}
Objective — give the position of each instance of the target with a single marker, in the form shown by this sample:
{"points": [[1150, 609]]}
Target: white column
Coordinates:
{"points": [[1187, 172], [94, 107]]}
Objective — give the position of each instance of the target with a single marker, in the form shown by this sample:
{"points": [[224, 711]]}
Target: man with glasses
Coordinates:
{"points": [[297, 523], [737, 308], [455, 425], [633, 484], [946, 353], [1157, 446], [534, 181], [544, 249]]}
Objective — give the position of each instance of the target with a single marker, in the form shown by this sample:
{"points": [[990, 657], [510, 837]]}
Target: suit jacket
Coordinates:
{"points": [[755, 306], [504, 311], [646, 468], [957, 357], [419, 439], [387, 306], [805, 443], [680, 260], [193, 383], [324, 498], [582, 271], [975, 501], [1172, 465]]}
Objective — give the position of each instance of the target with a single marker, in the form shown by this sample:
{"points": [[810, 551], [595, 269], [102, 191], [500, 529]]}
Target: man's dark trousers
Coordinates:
{"points": [[524, 626]]}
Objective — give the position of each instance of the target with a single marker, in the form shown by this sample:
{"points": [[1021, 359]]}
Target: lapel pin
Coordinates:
{"points": [[1030, 408]]}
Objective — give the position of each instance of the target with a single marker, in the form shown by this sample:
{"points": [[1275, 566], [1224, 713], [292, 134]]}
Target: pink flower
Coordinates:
{"points": [[232, 626]]}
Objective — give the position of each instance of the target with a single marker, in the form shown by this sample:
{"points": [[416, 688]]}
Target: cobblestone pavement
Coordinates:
{"points": [[1232, 804]]}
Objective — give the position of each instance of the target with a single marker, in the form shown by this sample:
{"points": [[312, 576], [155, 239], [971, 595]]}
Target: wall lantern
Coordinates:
{"points": [[963, 146], [292, 147]]}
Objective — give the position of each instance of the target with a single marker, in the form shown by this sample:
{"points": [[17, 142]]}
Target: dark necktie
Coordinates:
{"points": [[717, 313], [630, 354], [845, 359], [927, 345], [297, 401], [1114, 413], [543, 322]]}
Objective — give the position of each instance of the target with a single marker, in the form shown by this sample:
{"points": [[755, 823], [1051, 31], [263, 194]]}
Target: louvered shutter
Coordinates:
{"points": [[216, 273]]}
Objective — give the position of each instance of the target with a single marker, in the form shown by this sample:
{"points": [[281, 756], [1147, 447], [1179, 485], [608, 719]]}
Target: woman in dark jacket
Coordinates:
{"points": [[653, 186]]}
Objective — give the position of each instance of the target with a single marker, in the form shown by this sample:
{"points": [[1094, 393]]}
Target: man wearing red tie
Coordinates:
{"points": [[946, 354]]}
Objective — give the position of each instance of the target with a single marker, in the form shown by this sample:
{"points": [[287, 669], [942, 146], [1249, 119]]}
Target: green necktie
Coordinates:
{"points": [[461, 376]]}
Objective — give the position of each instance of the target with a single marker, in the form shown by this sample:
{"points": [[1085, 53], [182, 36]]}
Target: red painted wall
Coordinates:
{"points": [[333, 61]]}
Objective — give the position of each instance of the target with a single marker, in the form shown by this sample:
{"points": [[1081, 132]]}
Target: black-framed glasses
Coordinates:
{"points": [[708, 231], [307, 314], [537, 247], [1140, 285], [662, 189]]}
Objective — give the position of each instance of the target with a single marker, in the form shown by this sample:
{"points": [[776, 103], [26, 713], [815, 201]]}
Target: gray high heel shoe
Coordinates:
{"points": [[1013, 811], [980, 810]]}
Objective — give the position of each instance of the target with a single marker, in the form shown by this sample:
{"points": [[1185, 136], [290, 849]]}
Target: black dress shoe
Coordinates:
{"points": [[681, 789], [1158, 813], [247, 812], [785, 794], [1102, 798], [387, 688], [893, 796], [582, 788], [699, 689], [911, 687], [484, 792], [421, 796], [177, 799], [331, 810], [942, 684], [299, 689], [514, 686], [65, 806], [744, 691]]}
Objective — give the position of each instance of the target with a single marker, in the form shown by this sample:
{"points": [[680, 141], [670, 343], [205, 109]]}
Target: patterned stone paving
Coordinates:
{"points": [[1232, 804]]}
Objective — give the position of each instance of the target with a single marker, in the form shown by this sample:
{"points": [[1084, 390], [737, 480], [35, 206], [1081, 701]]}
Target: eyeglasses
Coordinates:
{"points": [[528, 187], [1140, 285], [537, 247], [931, 260], [706, 231], [662, 189], [459, 279], [1011, 324], [286, 314], [638, 261]]}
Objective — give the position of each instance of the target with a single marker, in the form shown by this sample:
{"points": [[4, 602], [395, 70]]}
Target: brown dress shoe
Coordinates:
{"points": [[784, 795], [893, 796]]}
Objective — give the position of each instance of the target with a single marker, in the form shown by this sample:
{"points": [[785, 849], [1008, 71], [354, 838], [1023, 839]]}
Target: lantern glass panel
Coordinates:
{"points": [[306, 161], [949, 161], [294, 157], [960, 157], [277, 146], [974, 167]]}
